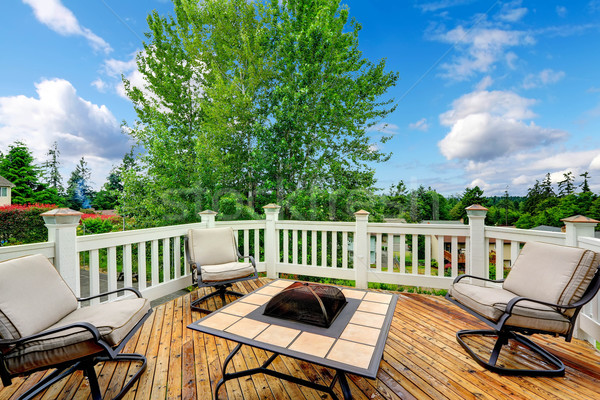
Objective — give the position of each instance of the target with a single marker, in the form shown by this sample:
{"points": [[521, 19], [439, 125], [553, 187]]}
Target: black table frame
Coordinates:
{"points": [[341, 368]]}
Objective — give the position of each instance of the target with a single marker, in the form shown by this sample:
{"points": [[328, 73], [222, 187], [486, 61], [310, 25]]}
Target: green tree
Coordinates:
{"points": [[52, 174], [322, 98], [18, 167], [566, 186], [107, 197], [585, 187], [79, 191]]}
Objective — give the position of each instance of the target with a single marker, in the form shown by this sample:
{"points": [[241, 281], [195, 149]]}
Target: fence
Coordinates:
{"points": [[424, 255]]}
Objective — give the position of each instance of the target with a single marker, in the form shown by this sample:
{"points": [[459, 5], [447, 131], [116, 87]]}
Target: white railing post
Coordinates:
{"points": [[208, 217], [478, 260], [271, 240], [62, 230], [578, 226], [362, 249]]}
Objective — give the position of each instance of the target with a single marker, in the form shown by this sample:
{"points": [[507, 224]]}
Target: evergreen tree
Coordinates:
{"points": [[18, 167], [546, 187], [585, 188], [52, 174], [79, 192], [566, 186]]}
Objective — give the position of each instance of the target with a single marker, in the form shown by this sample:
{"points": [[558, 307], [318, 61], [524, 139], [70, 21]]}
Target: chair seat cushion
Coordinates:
{"points": [[226, 272], [114, 321], [490, 302]]}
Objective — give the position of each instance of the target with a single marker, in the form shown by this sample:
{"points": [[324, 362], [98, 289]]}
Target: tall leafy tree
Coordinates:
{"points": [[566, 186], [585, 187], [322, 98]]}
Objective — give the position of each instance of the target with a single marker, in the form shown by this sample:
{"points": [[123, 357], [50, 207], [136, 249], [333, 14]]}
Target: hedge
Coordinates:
{"points": [[21, 224]]}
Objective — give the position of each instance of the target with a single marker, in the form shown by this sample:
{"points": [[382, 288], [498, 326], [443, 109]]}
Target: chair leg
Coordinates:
{"points": [[48, 381], [503, 339], [90, 373], [220, 291]]}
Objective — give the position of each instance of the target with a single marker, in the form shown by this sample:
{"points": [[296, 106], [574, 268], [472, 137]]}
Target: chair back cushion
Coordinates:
{"points": [[552, 273], [33, 296], [212, 246]]}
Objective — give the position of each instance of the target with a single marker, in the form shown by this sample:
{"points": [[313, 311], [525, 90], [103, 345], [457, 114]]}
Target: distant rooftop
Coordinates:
{"points": [[5, 182]]}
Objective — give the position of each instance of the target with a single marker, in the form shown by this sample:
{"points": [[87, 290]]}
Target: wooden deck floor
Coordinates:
{"points": [[422, 360]]}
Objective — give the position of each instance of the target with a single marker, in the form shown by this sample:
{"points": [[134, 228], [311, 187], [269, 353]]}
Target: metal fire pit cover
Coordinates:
{"points": [[307, 303]]}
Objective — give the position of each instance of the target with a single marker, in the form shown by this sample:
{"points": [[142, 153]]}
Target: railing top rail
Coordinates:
{"points": [[320, 225], [589, 243], [45, 248], [524, 235], [103, 240], [423, 229], [251, 224]]}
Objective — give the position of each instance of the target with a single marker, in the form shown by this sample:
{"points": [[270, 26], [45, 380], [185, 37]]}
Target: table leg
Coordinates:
{"points": [[339, 376]]}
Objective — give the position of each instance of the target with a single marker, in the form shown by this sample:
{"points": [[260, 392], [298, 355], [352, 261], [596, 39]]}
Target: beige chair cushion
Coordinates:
{"points": [[114, 321], [212, 246], [552, 273], [33, 296], [491, 303], [225, 272]]}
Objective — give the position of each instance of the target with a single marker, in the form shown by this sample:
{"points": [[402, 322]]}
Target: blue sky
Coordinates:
{"points": [[491, 93]]}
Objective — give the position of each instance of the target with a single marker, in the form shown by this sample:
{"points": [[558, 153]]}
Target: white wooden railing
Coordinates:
{"points": [[423, 255]]}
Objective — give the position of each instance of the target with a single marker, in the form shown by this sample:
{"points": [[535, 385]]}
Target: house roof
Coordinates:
{"points": [[5, 182], [547, 228]]}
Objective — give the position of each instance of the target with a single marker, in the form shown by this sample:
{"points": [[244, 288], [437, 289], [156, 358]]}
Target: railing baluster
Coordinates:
{"points": [[454, 255], [441, 256], [246, 242], [486, 252], [166, 260], [334, 243], [257, 245], [304, 248], [295, 246], [313, 248], [141, 265], [428, 255], [127, 267], [323, 248], [402, 253], [111, 258], [499, 259], [415, 254], [154, 263], [94, 275], [177, 256], [286, 246], [468, 256], [390, 252], [378, 248], [345, 250]]}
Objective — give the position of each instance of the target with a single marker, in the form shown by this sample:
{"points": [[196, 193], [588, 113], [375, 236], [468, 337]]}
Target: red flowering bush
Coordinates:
{"points": [[22, 223], [97, 223]]}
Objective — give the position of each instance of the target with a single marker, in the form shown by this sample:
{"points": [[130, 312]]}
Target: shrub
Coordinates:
{"points": [[21, 224], [95, 223]]}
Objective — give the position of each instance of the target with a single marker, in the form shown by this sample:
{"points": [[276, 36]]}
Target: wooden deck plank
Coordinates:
{"points": [[421, 360]]}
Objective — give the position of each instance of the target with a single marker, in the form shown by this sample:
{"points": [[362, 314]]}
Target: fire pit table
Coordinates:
{"points": [[353, 343]]}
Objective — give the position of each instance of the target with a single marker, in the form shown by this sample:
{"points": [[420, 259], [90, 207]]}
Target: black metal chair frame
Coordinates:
{"points": [[85, 364], [221, 287], [505, 332]]}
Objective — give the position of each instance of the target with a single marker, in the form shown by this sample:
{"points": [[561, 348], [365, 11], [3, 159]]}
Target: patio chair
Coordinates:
{"points": [[213, 259], [43, 327], [543, 293]]}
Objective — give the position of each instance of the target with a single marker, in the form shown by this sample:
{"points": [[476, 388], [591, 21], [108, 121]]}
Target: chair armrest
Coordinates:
{"points": [[458, 278], [250, 258], [130, 289], [85, 325], [512, 303]]}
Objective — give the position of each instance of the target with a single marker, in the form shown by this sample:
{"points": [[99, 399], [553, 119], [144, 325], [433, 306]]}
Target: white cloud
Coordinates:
{"points": [[80, 127], [485, 125], [441, 4], [388, 129], [481, 48], [543, 78], [420, 125], [512, 12], [60, 19], [100, 85], [561, 11], [595, 163], [485, 83]]}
